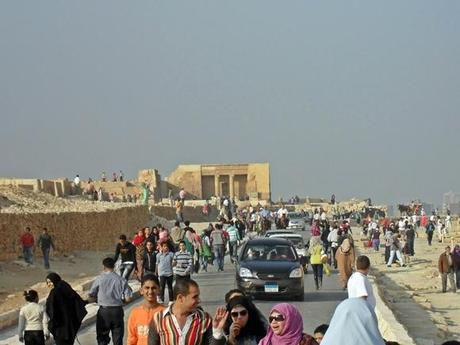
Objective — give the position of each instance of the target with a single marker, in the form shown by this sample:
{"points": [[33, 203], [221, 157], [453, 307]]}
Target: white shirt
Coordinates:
{"points": [[32, 317], [360, 286], [76, 180], [323, 216]]}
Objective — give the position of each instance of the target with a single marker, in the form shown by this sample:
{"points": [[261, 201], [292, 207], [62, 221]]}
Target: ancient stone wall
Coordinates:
{"points": [[72, 230]]}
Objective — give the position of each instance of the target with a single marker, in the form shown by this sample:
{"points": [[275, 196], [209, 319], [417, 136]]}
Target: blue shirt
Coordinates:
{"points": [[110, 290], [164, 261]]}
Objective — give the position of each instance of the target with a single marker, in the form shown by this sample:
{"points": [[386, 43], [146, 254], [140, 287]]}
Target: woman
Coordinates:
{"points": [[139, 243], [345, 257], [354, 323], [286, 327], [65, 310], [316, 250], [206, 256], [244, 325]]}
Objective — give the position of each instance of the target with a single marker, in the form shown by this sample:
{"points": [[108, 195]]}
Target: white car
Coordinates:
{"points": [[299, 244], [296, 221]]}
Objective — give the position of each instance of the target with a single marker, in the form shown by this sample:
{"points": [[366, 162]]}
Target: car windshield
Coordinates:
{"points": [[264, 252], [296, 241], [295, 215]]}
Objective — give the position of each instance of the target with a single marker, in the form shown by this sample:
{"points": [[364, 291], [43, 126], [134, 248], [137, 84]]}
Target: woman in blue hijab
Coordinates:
{"points": [[354, 323]]}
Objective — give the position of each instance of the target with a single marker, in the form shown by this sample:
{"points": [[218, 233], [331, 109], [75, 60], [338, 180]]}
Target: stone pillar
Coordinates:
{"points": [[216, 185], [231, 187]]}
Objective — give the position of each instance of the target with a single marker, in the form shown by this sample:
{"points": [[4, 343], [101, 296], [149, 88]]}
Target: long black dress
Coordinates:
{"points": [[66, 310]]}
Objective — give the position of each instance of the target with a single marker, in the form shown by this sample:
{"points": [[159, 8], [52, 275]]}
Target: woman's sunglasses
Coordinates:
{"points": [[277, 318], [239, 313]]}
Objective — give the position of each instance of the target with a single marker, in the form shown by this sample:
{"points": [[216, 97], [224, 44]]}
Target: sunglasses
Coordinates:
{"points": [[277, 318], [239, 313]]}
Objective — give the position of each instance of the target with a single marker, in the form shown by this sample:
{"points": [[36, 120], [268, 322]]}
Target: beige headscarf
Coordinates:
{"points": [[346, 245]]}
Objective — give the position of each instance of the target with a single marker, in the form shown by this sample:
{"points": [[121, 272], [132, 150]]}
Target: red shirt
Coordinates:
{"points": [[27, 240]]}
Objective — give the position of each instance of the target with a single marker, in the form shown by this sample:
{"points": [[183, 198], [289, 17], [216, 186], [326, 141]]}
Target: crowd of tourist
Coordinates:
{"points": [[165, 260]]}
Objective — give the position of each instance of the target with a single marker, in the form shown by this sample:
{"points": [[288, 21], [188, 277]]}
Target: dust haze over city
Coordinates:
{"points": [[353, 98]]}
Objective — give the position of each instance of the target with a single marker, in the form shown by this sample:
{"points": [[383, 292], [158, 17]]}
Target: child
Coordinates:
{"points": [[33, 321], [165, 270], [141, 317], [319, 333]]}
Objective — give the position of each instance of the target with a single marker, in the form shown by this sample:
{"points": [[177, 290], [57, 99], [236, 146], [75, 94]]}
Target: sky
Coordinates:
{"points": [[356, 98]]}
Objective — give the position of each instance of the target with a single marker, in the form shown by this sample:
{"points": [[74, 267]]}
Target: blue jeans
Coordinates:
{"points": [[219, 256], [28, 254], [233, 246], [126, 269], [46, 257]]}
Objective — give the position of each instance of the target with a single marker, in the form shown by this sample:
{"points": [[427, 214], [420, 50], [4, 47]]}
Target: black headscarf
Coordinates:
{"points": [[255, 326], [54, 277]]}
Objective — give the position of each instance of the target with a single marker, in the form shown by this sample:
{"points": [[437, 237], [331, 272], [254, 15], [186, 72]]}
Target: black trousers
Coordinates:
{"points": [[169, 282], [318, 274], [34, 338], [110, 319]]}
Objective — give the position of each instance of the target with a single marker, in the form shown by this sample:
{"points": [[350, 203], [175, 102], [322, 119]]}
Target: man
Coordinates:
{"points": [[446, 268], [410, 236], [165, 271], [27, 243], [127, 250], [233, 238], [111, 291], [395, 248], [179, 209], [359, 285], [45, 242], [149, 258], [141, 316], [184, 322], [218, 246], [430, 231], [182, 263], [177, 234], [333, 239]]}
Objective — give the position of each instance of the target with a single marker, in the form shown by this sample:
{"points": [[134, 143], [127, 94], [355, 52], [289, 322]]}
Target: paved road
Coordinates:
{"points": [[317, 308]]}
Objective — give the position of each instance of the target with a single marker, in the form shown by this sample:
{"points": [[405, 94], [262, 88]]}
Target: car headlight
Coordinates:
{"points": [[296, 273], [245, 273]]}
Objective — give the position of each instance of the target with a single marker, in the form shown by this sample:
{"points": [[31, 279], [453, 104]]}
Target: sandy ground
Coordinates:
{"points": [[76, 267], [414, 293], [16, 276]]}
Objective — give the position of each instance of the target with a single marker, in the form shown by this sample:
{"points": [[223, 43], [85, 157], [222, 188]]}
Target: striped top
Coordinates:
{"points": [[197, 330], [183, 263]]}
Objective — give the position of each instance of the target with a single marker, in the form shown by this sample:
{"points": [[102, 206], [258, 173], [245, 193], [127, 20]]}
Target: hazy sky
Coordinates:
{"points": [[356, 98]]}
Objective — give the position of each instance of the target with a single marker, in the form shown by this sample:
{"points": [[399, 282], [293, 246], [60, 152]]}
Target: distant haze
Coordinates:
{"points": [[356, 98]]}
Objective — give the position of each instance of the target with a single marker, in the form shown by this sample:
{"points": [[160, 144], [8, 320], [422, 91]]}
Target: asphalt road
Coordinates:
{"points": [[317, 308]]}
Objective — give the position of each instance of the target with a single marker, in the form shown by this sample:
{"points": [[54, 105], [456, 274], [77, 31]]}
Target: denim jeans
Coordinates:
{"points": [[233, 247], [376, 244], [46, 257], [398, 255], [126, 269], [28, 254], [219, 256]]}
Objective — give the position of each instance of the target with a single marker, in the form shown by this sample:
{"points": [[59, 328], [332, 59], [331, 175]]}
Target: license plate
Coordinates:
{"points": [[271, 287]]}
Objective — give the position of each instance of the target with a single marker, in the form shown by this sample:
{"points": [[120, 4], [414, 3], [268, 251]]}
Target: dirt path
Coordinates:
{"points": [[414, 294], [16, 276]]}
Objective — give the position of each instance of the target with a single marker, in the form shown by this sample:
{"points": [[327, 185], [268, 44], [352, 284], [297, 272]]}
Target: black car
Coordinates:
{"points": [[270, 267]]}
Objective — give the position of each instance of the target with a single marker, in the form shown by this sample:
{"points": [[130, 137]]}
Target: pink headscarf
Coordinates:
{"points": [[293, 328]]}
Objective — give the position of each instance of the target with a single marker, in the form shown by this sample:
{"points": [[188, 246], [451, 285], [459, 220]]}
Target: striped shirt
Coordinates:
{"points": [[183, 263], [197, 330]]}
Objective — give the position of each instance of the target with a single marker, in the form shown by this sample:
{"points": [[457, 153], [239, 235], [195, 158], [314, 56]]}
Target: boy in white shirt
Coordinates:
{"points": [[359, 284]]}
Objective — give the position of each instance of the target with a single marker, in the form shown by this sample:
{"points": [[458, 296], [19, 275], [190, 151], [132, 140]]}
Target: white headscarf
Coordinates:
{"points": [[354, 323]]}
